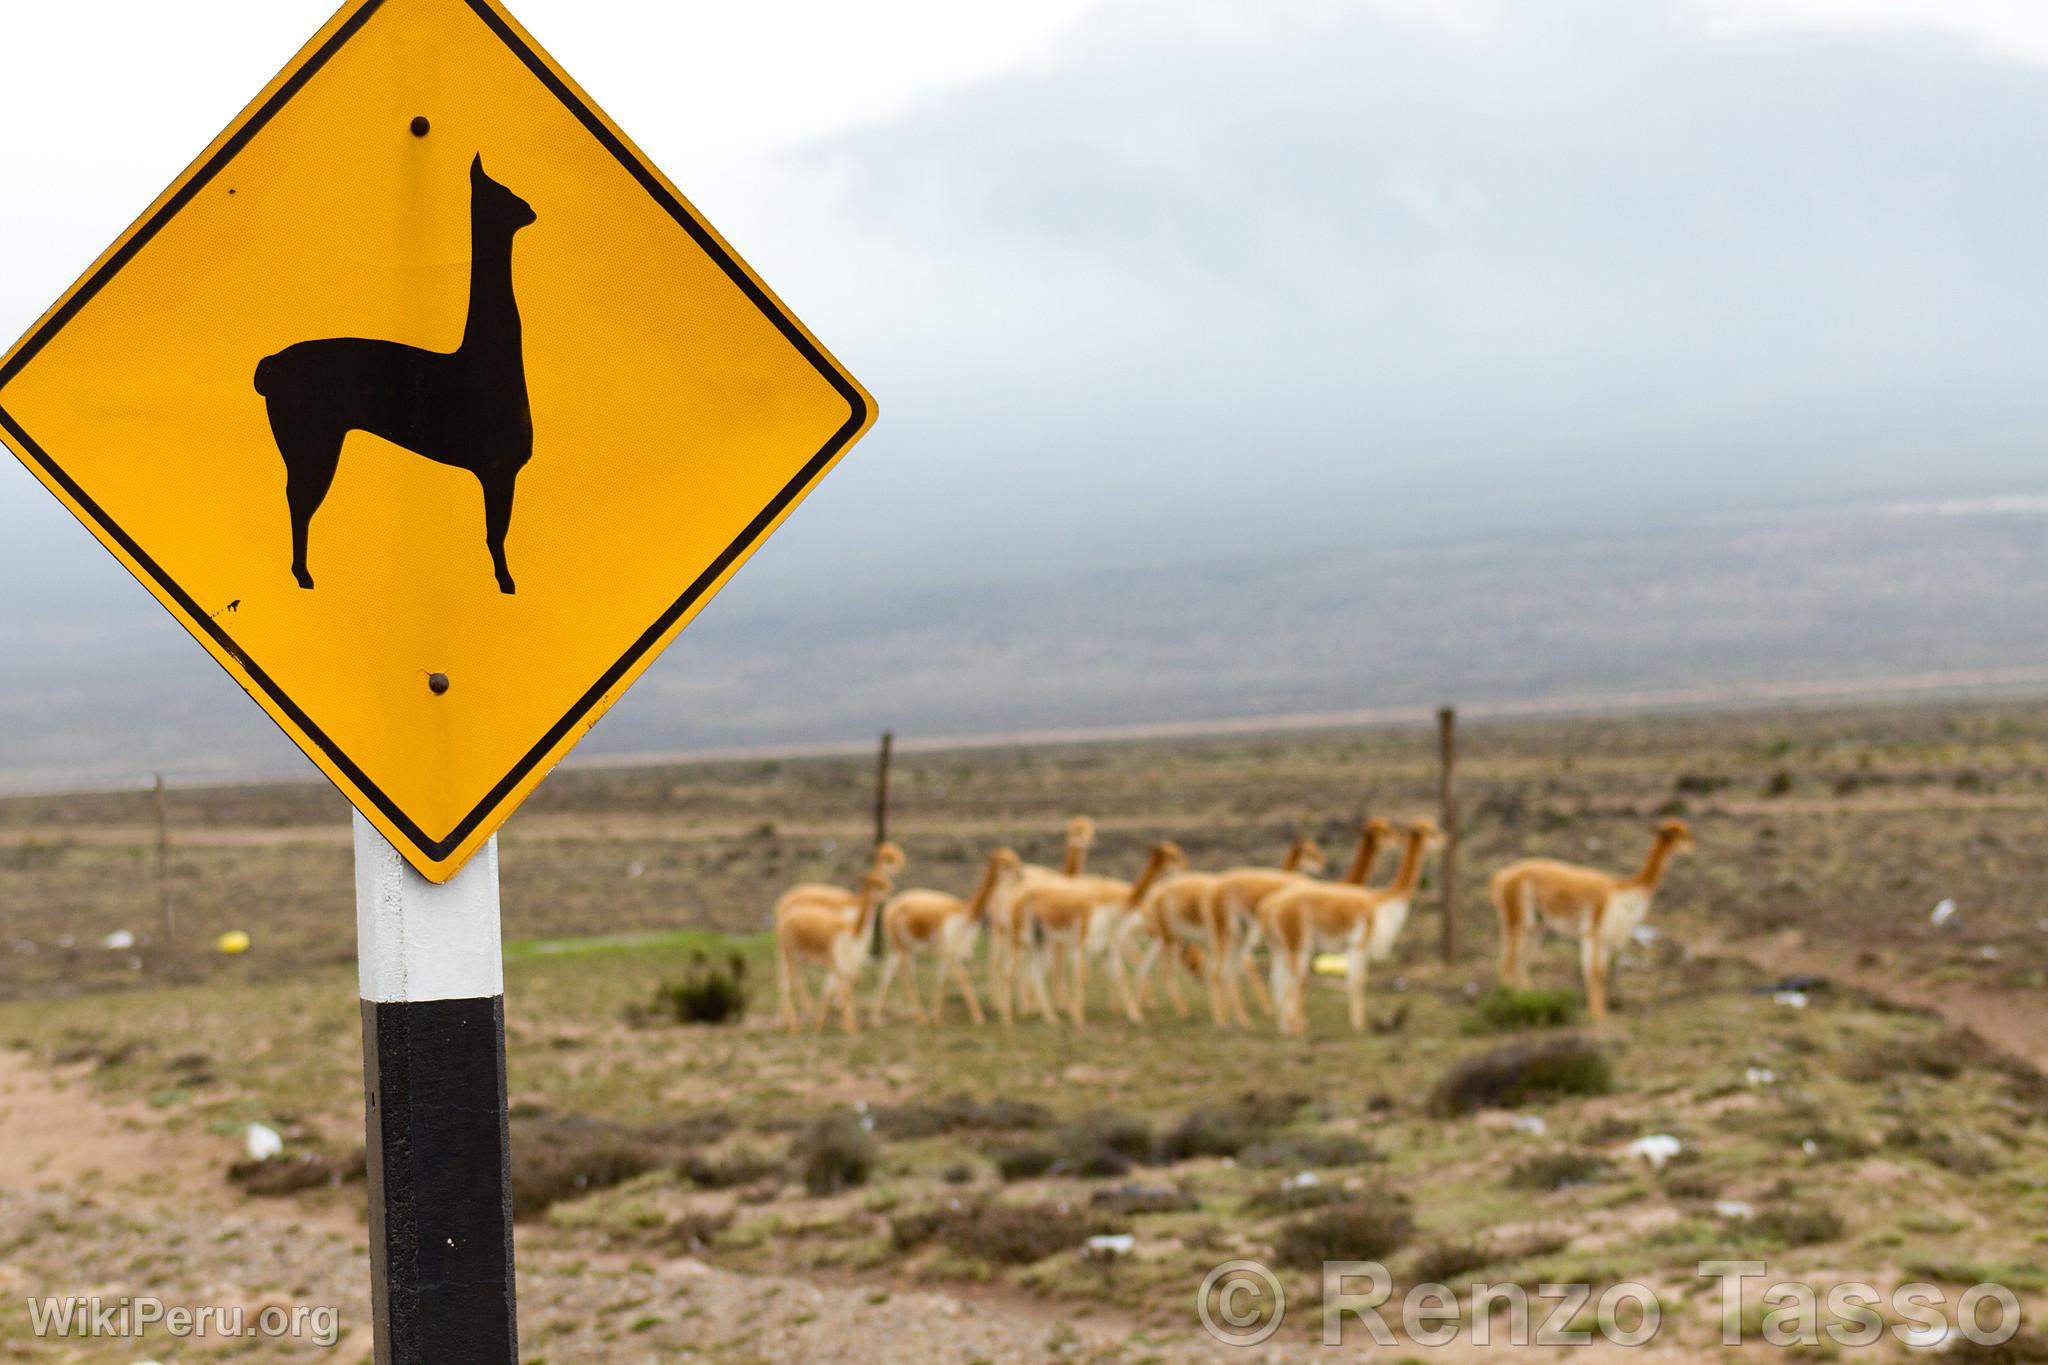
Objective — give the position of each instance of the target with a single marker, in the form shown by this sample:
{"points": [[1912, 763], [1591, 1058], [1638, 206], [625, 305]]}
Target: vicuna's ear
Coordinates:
{"points": [[476, 168]]}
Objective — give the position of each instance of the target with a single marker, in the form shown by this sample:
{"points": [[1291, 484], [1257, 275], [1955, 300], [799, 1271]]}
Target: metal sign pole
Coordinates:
{"points": [[433, 999]]}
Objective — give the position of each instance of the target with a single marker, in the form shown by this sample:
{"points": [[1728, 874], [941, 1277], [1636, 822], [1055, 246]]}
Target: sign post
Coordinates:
{"points": [[440, 1170], [434, 412]]}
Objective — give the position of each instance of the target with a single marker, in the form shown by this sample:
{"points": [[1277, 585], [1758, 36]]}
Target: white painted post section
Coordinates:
{"points": [[419, 941]]}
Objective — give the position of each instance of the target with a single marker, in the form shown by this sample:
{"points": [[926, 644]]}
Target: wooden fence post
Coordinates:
{"points": [[882, 764], [1447, 801], [163, 865]]}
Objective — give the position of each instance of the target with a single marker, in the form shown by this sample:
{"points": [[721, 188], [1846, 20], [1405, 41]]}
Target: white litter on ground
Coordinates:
{"points": [[120, 941], [1656, 1149], [1791, 1000], [1761, 1076], [1928, 1336], [1531, 1124], [264, 1142], [1735, 1208], [1944, 911], [1112, 1244]]}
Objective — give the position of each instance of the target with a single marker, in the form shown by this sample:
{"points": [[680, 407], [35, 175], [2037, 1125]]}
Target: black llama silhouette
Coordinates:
{"points": [[467, 409]]}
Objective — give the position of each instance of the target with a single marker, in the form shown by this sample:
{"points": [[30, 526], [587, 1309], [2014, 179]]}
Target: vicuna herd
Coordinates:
{"points": [[1045, 926]]}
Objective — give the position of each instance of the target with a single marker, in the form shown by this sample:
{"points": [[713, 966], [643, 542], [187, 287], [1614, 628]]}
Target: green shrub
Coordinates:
{"points": [[1523, 1073], [709, 992], [1444, 1262], [742, 1166], [835, 1153], [958, 1113], [1004, 1234], [1023, 1160], [1367, 1229], [561, 1158], [1799, 1225], [1303, 1150], [1559, 1170], [1227, 1128], [1295, 1198], [1511, 1011]]}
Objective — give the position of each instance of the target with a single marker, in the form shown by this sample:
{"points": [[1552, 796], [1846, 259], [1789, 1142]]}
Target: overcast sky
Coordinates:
{"points": [[1138, 280]]}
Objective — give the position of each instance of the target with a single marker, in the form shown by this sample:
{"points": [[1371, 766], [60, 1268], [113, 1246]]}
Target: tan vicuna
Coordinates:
{"points": [[888, 860], [819, 932], [1004, 928], [1598, 909], [1362, 922], [1070, 917], [1233, 912], [945, 926], [1173, 921]]}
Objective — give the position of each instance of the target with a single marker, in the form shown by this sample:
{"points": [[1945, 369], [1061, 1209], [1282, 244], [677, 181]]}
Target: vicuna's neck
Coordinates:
{"points": [[978, 905], [1077, 857], [1657, 864], [1409, 875], [493, 324], [1369, 841], [870, 896], [1153, 865]]}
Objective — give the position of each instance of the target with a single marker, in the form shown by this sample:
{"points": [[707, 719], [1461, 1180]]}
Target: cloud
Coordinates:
{"points": [[2014, 29]]}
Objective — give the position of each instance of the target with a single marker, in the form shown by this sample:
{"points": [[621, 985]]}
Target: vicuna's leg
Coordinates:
{"points": [[966, 989], [311, 450], [845, 982], [1593, 963], [1512, 972], [498, 491], [1354, 982], [1034, 980], [1081, 976], [890, 964], [1172, 974], [1120, 978]]}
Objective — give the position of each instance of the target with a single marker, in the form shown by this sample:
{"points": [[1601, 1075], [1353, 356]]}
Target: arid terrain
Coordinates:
{"points": [[736, 1193]]}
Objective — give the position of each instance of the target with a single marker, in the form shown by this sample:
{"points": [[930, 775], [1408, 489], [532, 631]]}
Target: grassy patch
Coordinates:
{"points": [[1505, 1010]]}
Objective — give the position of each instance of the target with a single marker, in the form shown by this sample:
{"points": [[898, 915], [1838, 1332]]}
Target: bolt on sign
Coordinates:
{"points": [[431, 409]]}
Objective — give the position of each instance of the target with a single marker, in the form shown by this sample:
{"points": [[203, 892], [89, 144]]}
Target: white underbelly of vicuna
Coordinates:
{"points": [[1625, 911], [959, 935], [1387, 923]]}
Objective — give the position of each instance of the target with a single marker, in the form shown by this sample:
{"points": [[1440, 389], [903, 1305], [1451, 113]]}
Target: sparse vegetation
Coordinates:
{"points": [[1523, 1073], [835, 1153], [709, 992], [1366, 1229], [1089, 1120], [1559, 1170]]}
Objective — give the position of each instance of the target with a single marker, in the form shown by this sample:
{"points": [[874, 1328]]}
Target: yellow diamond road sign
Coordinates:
{"points": [[430, 408]]}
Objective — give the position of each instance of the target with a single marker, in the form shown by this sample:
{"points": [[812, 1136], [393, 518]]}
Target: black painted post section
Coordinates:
{"points": [[441, 1283]]}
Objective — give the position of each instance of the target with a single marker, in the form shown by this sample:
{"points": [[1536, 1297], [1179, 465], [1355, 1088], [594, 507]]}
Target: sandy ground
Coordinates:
{"points": [[104, 1200]]}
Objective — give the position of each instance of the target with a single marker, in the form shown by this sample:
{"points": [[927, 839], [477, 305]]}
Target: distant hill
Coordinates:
{"points": [[1825, 594]]}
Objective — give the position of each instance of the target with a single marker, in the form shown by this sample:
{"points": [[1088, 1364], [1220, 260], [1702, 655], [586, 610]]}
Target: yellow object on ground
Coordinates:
{"points": [[1329, 964], [232, 942]]}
